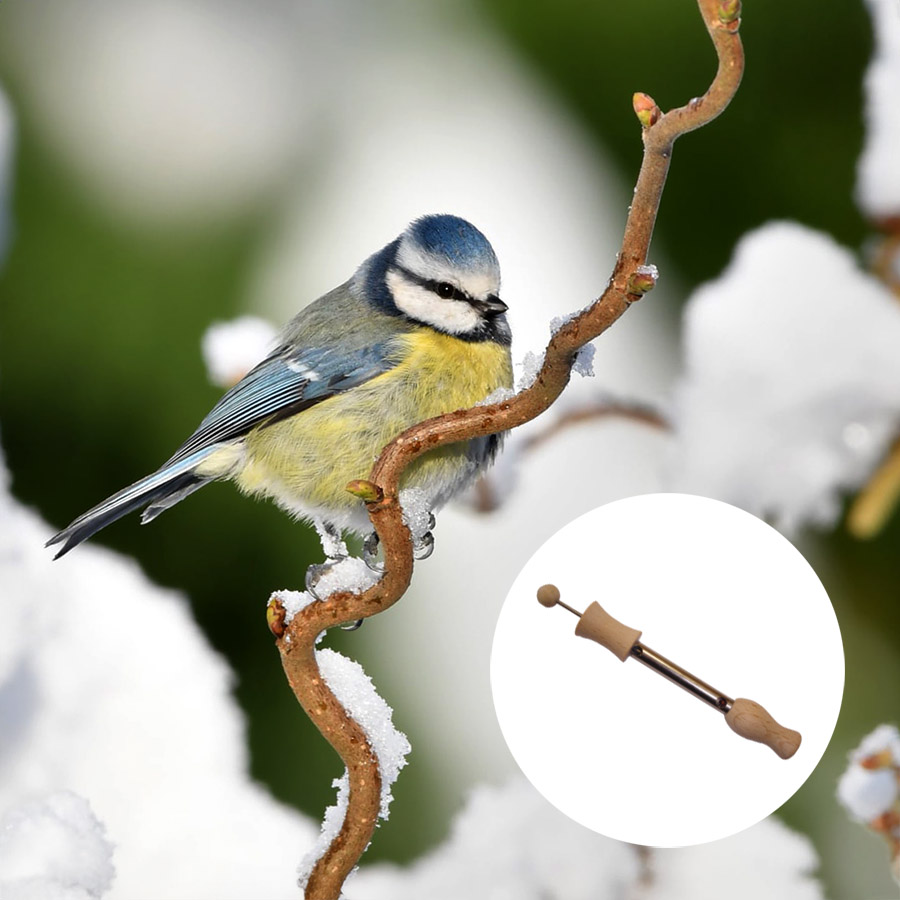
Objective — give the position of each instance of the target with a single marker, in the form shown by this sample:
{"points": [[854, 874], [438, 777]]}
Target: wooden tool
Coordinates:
{"points": [[745, 717]]}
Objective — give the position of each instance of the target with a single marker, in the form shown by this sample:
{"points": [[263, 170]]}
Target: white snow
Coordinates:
{"points": [[498, 395], [416, 511], [232, 349], [878, 175], [531, 366], [557, 322], [883, 738], [866, 794], [871, 783], [584, 361], [791, 391], [292, 601], [54, 846], [531, 362]]}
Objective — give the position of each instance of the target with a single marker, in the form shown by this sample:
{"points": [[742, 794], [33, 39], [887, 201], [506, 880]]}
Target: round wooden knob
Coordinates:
{"points": [[548, 595], [750, 720]]}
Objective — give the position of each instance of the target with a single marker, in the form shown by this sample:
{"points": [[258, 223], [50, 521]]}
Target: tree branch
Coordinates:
{"points": [[487, 499], [600, 408], [628, 282]]}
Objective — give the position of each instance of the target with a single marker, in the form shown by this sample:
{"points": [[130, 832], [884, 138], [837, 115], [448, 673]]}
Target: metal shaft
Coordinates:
{"points": [[693, 685]]}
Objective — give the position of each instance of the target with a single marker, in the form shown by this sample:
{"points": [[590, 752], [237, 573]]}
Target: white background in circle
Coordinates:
{"points": [[617, 747]]}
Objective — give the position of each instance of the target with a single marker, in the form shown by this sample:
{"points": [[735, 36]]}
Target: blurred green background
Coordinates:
{"points": [[101, 375]]}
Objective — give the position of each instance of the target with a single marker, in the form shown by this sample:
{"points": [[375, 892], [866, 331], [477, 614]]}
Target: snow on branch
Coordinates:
{"points": [[869, 789], [356, 693]]}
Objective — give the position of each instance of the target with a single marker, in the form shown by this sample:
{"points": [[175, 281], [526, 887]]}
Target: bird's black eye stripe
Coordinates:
{"points": [[443, 289]]}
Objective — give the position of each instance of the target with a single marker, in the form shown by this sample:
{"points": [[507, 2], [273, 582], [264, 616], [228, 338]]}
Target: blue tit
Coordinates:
{"points": [[419, 330]]}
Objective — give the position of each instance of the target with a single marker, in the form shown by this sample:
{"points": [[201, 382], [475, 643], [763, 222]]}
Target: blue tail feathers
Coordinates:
{"points": [[157, 492]]}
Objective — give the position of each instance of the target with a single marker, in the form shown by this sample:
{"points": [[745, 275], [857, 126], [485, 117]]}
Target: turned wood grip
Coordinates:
{"points": [[750, 720], [598, 625]]}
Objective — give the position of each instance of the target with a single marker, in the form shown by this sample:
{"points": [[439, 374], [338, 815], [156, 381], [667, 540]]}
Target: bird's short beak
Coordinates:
{"points": [[490, 306]]}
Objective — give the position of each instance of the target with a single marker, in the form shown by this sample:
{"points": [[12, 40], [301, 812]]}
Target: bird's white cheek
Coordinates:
{"points": [[453, 316]]}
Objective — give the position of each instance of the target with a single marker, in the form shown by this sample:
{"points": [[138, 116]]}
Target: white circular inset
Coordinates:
{"points": [[619, 748]]}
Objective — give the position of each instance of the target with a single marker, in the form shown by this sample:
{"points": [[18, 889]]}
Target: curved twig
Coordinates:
{"points": [[488, 500], [627, 284], [599, 408]]}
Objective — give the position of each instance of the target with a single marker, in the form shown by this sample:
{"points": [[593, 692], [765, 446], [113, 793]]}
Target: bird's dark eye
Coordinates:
{"points": [[446, 291]]}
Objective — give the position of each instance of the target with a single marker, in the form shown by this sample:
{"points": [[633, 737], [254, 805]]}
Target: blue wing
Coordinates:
{"points": [[283, 384]]}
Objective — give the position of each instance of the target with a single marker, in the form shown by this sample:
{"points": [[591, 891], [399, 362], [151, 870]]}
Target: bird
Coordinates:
{"points": [[418, 330]]}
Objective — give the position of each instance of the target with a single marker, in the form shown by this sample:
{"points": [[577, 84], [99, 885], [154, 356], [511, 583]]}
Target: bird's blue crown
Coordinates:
{"points": [[455, 239]]}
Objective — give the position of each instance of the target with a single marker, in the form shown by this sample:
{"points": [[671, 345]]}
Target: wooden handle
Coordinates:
{"points": [[748, 719], [598, 625]]}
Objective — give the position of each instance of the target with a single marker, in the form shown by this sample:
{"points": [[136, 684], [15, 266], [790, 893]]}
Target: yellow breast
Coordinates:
{"points": [[308, 459]]}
